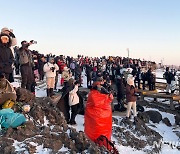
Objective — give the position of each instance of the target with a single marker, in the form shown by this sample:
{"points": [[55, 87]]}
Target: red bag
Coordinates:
{"points": [[98, 115], [62, 81], [103, 141]]}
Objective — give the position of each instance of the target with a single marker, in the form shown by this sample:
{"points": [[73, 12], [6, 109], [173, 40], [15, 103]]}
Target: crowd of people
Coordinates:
{"points": [[106, 77]]}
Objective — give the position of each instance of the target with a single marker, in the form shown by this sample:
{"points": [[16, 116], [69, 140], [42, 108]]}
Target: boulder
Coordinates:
{"points": [[154, 116], [167, 122], [144, 117], [177, 119]]}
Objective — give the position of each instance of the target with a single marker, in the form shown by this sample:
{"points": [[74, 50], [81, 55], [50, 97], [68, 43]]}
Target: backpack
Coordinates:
{"points": [[10, 119], [8, 104], [103, 141]]}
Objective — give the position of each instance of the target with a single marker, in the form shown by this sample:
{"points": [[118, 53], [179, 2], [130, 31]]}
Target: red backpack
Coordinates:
{"points": [[103, 141]]}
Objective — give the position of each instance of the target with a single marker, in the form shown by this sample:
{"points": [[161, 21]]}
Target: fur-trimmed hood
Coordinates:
{"points": [[8, 44]]}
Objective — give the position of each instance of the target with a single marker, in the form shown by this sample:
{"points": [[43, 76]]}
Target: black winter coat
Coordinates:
{"points": [[6, 56]]}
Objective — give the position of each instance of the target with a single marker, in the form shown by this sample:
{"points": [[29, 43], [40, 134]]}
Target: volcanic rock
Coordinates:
{"points": [[154, 116]]}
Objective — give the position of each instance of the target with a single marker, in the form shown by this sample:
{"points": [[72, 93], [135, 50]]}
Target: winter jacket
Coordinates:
{"points": [[25, 57], [47, 69], [7, 92], [6, 57], [130, 93], [120, 89], [168, 76], [98, 115], [73, 97]]}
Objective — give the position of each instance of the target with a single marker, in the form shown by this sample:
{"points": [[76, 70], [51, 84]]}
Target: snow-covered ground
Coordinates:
{"points": [[168, 133]]}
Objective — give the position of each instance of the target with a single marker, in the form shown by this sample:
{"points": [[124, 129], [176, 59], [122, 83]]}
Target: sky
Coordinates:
{"points": [[150, 29]]}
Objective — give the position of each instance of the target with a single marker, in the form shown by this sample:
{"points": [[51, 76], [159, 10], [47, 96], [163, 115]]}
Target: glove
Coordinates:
{"points": [[12, 35], [132, 87]]}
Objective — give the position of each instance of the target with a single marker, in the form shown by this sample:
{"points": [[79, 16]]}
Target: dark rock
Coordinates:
{"points": [[177, 119], [9, 149], [154, 116], [9, 132], [131, 133], [115, 121], [167, 122], [144, 117], [24, 95]]}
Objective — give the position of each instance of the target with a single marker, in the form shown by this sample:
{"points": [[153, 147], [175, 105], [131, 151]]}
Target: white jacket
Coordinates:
{"points": [[47, 69], [73, 97]]}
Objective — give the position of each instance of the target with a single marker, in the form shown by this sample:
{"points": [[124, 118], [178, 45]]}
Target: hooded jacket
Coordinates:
{"points": [[48, 71], [6, 56]]}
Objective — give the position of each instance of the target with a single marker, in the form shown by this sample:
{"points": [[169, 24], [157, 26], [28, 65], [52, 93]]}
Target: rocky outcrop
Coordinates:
{"points": [[45, 127], [136, 134]]}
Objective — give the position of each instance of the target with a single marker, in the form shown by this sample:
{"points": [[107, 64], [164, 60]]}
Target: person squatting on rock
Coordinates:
{"points": [[74, 102], [131, 96], [50, 69], [169, 76], [6, 56], [26, 66], [7, 92]]}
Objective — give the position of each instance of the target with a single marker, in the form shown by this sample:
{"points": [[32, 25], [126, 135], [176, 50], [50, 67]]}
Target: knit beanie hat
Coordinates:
{"points": [[4, 29]]}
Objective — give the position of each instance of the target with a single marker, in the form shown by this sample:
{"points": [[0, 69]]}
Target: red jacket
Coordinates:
{"points": [[98, 115]]}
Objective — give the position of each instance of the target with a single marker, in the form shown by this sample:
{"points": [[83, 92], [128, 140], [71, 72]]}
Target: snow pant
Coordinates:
{"points": [[41, 75], [168, 87], [27, 77], [74, 111], [144, 82], [50, 82], [131, 105]]}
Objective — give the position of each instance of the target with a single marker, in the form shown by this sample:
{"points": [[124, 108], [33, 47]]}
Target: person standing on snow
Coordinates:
{"points": [[73, 103], [130, 96], [26, 65], [6, 56], [11, 35], [169, 77], [50, 72]]}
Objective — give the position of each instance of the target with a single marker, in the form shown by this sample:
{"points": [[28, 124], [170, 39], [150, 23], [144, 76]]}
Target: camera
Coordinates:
{"points": [[52, 69], [33, 42]]}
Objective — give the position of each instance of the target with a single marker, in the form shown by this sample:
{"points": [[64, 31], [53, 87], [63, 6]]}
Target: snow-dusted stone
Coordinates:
{"points": [[154, 116], [177, 119], [167, 122], [24, 95], [143, 116]]}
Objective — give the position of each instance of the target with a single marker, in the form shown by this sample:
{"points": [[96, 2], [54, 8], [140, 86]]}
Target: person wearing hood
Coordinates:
{"points": [[131, 96], [7, 92], [98, 111], [26, 66], [50, 69], [6, 56], [9, 32], [12, 37]]}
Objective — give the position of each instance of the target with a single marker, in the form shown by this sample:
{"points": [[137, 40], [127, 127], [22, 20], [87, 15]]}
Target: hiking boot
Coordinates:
{"points": [[51, 92], [135, 120], [48, 92]]}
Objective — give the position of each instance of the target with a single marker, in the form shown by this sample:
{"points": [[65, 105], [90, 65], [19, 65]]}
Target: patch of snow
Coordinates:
{"points": [[41, 150], [63, 149], [46, 121]]}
